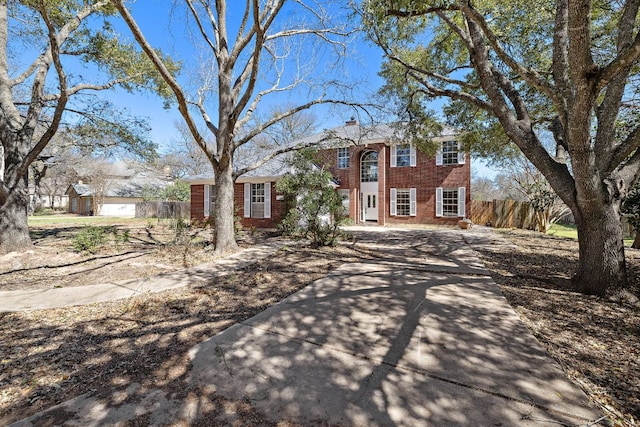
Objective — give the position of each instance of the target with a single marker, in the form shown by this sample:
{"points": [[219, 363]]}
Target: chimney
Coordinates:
{"points": [[80, 181], [352, 122]]}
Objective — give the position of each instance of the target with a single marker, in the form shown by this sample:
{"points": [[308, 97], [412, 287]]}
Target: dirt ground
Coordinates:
{"points": [[49, 356], [595, 340]]}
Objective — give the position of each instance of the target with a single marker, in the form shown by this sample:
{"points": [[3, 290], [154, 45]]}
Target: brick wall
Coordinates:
{"points": [[197, 208]]}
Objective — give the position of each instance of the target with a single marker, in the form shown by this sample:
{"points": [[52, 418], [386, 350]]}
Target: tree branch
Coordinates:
{"points": [[167, 76]]}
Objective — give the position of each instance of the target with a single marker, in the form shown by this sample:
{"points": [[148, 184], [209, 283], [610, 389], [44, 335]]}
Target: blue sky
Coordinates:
{"points": [[165, 28]]}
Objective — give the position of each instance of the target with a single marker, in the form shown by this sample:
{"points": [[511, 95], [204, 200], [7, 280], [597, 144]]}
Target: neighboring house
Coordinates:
{"points": [[114, 196], [383, 180]]}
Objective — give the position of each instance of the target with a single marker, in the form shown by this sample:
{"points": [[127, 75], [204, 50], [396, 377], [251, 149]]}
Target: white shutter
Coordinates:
{"points": [[393, 210], [394, 156], [412, 157], [461, 201], [267, 200], [247, 200], [439, 202], [461, 155], [412, 201], [207, 200], [439, 156]]}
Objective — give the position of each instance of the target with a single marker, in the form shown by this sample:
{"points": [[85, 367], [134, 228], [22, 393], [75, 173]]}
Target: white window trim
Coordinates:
{"points": [[394, 156], [393, 205], [412, 202], [267, 200], [207, 200], [461, 201], [247, 200]]}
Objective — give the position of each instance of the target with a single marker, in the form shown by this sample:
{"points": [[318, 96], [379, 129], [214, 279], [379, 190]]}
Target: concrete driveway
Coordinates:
{"points": [[419, 337]]}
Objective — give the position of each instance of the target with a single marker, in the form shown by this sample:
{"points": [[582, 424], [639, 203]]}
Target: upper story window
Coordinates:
{"points": [[403, 155], [369, 167], [450, 154], [343, 157]]}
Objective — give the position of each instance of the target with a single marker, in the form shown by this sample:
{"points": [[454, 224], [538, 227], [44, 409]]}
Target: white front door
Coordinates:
{"points": [[369, 206]]}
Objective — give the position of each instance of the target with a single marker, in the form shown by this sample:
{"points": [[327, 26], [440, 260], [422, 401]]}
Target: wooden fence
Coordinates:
{"points": [[503, 214], [173, 210]]}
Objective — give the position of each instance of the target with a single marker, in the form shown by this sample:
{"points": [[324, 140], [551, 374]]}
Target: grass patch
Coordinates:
{"points": [[570, 232], [562, 230]]}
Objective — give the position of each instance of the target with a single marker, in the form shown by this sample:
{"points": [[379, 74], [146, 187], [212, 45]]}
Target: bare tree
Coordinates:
{"points": [[264, 48]]}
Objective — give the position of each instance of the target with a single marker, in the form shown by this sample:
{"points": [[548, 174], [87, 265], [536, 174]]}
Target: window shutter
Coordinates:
{"points": [[461, 202], [267, 200], [412, 201], [392, 205], [439, 156], [207, 200], [412, 157], [461, 155], [439, 202], [394, 156], [247, 200]]}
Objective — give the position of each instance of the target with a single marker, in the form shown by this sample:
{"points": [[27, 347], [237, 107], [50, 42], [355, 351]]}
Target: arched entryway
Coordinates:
{"points": [[369, 186]]}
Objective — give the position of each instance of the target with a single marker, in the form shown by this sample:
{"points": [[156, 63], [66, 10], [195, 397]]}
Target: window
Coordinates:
{"points": [[403, 155], [369, 167], [209, 198], [257, 200], [450, 154], [343, 158], [403, 202], [450, 202]]}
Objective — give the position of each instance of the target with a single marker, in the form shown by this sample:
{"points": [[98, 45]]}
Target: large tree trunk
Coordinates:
{"points": [[14, 229], [224, 212], [602, 268]]}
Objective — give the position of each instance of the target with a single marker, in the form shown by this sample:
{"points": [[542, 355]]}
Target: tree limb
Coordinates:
{"points": [[166, 75]]}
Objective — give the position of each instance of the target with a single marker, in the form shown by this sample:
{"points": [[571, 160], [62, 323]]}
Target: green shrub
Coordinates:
{"points": [[315, 208], [90, 239]]}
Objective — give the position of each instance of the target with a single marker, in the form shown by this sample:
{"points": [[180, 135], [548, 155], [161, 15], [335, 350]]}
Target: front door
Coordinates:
{"points": [[369, 206]]}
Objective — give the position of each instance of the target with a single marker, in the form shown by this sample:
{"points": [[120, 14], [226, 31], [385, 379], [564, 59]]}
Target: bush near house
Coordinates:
{"points": [[314, 207]]}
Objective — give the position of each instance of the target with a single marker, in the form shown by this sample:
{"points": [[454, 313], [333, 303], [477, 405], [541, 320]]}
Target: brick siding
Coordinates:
{"points": [[197, 208]]}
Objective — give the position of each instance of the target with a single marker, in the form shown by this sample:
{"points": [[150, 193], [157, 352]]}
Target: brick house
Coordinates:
{"points": [[382, 179]]}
